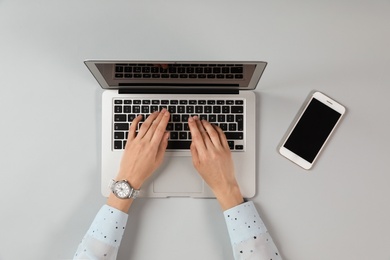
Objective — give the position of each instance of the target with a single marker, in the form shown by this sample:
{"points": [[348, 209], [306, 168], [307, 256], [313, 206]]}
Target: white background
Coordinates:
{"points": [[50, 112]]}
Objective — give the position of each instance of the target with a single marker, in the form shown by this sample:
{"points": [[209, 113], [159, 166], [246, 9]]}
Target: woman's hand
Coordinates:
{"points": [[212, 158]]}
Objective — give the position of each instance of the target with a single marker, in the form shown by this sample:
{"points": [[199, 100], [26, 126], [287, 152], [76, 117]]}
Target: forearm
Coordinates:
{"points": [[248, 234], [104, 236]]}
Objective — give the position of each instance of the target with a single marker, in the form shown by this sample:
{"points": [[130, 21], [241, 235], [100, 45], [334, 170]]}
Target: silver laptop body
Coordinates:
{"points": [[214, 90]]}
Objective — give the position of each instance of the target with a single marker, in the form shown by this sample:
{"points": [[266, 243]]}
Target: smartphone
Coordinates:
{"points": [[312, 130]]}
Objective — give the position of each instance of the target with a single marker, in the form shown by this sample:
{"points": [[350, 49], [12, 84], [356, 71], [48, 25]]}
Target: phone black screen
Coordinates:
{"points": [[312, 130]]}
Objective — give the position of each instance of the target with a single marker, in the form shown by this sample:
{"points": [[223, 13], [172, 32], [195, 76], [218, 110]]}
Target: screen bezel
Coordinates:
{"points": [[296, 158], [258, 72]]}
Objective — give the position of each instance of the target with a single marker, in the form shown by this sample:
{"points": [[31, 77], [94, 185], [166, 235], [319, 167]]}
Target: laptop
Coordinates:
{"points": [[218, 91]]}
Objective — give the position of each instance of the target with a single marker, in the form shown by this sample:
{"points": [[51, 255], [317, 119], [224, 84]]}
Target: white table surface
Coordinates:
{"points": [[50, 111]]}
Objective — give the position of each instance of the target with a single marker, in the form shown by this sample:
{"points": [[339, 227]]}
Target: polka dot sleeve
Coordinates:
{"points": [[248, 234], [104, 236]]}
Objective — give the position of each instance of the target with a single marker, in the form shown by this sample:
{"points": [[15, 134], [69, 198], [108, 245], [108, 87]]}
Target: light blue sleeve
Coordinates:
{"points": [[104, 236], [248, 235]]}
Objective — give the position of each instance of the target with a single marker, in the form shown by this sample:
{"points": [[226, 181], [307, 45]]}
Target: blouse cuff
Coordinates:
{"points": [[108, 226], [243, 222]]}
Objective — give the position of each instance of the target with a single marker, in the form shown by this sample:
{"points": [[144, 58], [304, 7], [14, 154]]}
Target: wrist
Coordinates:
{"points": [[134, 181], [120, 204], [229, 197]]}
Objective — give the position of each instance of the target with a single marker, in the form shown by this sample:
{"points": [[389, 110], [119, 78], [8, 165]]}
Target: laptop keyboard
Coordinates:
{"points": [[228, 114], [180, 71]]}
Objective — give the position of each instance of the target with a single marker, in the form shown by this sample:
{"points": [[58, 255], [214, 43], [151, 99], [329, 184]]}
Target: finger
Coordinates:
{"points": [[213, 134], [195, 155], [133, 127], [154, 124], [197, 139], [205, 135], [222, 137], [162, 148], [145, 125], [160, 127]]}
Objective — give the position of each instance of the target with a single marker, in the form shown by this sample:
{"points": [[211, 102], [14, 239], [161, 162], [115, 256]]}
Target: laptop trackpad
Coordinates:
{"points": [[179, 177]]}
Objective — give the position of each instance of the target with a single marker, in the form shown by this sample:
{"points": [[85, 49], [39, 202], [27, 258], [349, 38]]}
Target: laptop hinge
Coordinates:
{"points": [[176, 91]]}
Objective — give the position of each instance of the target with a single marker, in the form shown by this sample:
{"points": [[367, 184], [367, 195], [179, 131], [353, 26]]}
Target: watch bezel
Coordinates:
{"points": [[132, 193]]}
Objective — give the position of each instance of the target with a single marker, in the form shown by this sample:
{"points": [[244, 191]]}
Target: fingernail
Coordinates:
{"points": [[190, 119]]}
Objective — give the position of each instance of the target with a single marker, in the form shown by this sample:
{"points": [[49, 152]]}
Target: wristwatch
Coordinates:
{"points": [[123, 190]]}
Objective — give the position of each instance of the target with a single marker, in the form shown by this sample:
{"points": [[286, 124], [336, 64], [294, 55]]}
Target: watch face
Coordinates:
{"points": [[122, 189]]}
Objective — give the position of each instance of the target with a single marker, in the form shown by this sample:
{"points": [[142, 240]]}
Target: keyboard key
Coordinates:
{"points": [[223, 126], [231, 145], [239, 147], [184, 118], [234, 135], [127, 109], [221, 118], [183, 145], [170, 127], [172, 109], [183, 135], [181, 109], [120, 118], [178, 126], [190, 109], [117, 145], [121, 126], [240, 122], [119, 135], [118, 109], [131, 117], [232, 127], [176, 118], [203, 117], [236, 70], [173, 136], [118, 69], [198, 109], [136, 109], [237, 109]]}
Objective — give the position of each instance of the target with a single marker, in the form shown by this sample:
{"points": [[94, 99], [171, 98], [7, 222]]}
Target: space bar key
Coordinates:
{"points": [[185, 145]]}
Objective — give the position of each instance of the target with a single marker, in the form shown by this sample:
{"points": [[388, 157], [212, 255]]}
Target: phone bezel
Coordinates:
{"points": [[295, 157]]}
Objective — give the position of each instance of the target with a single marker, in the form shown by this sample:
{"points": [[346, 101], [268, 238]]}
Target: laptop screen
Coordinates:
{"points": [[147, 74]]}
